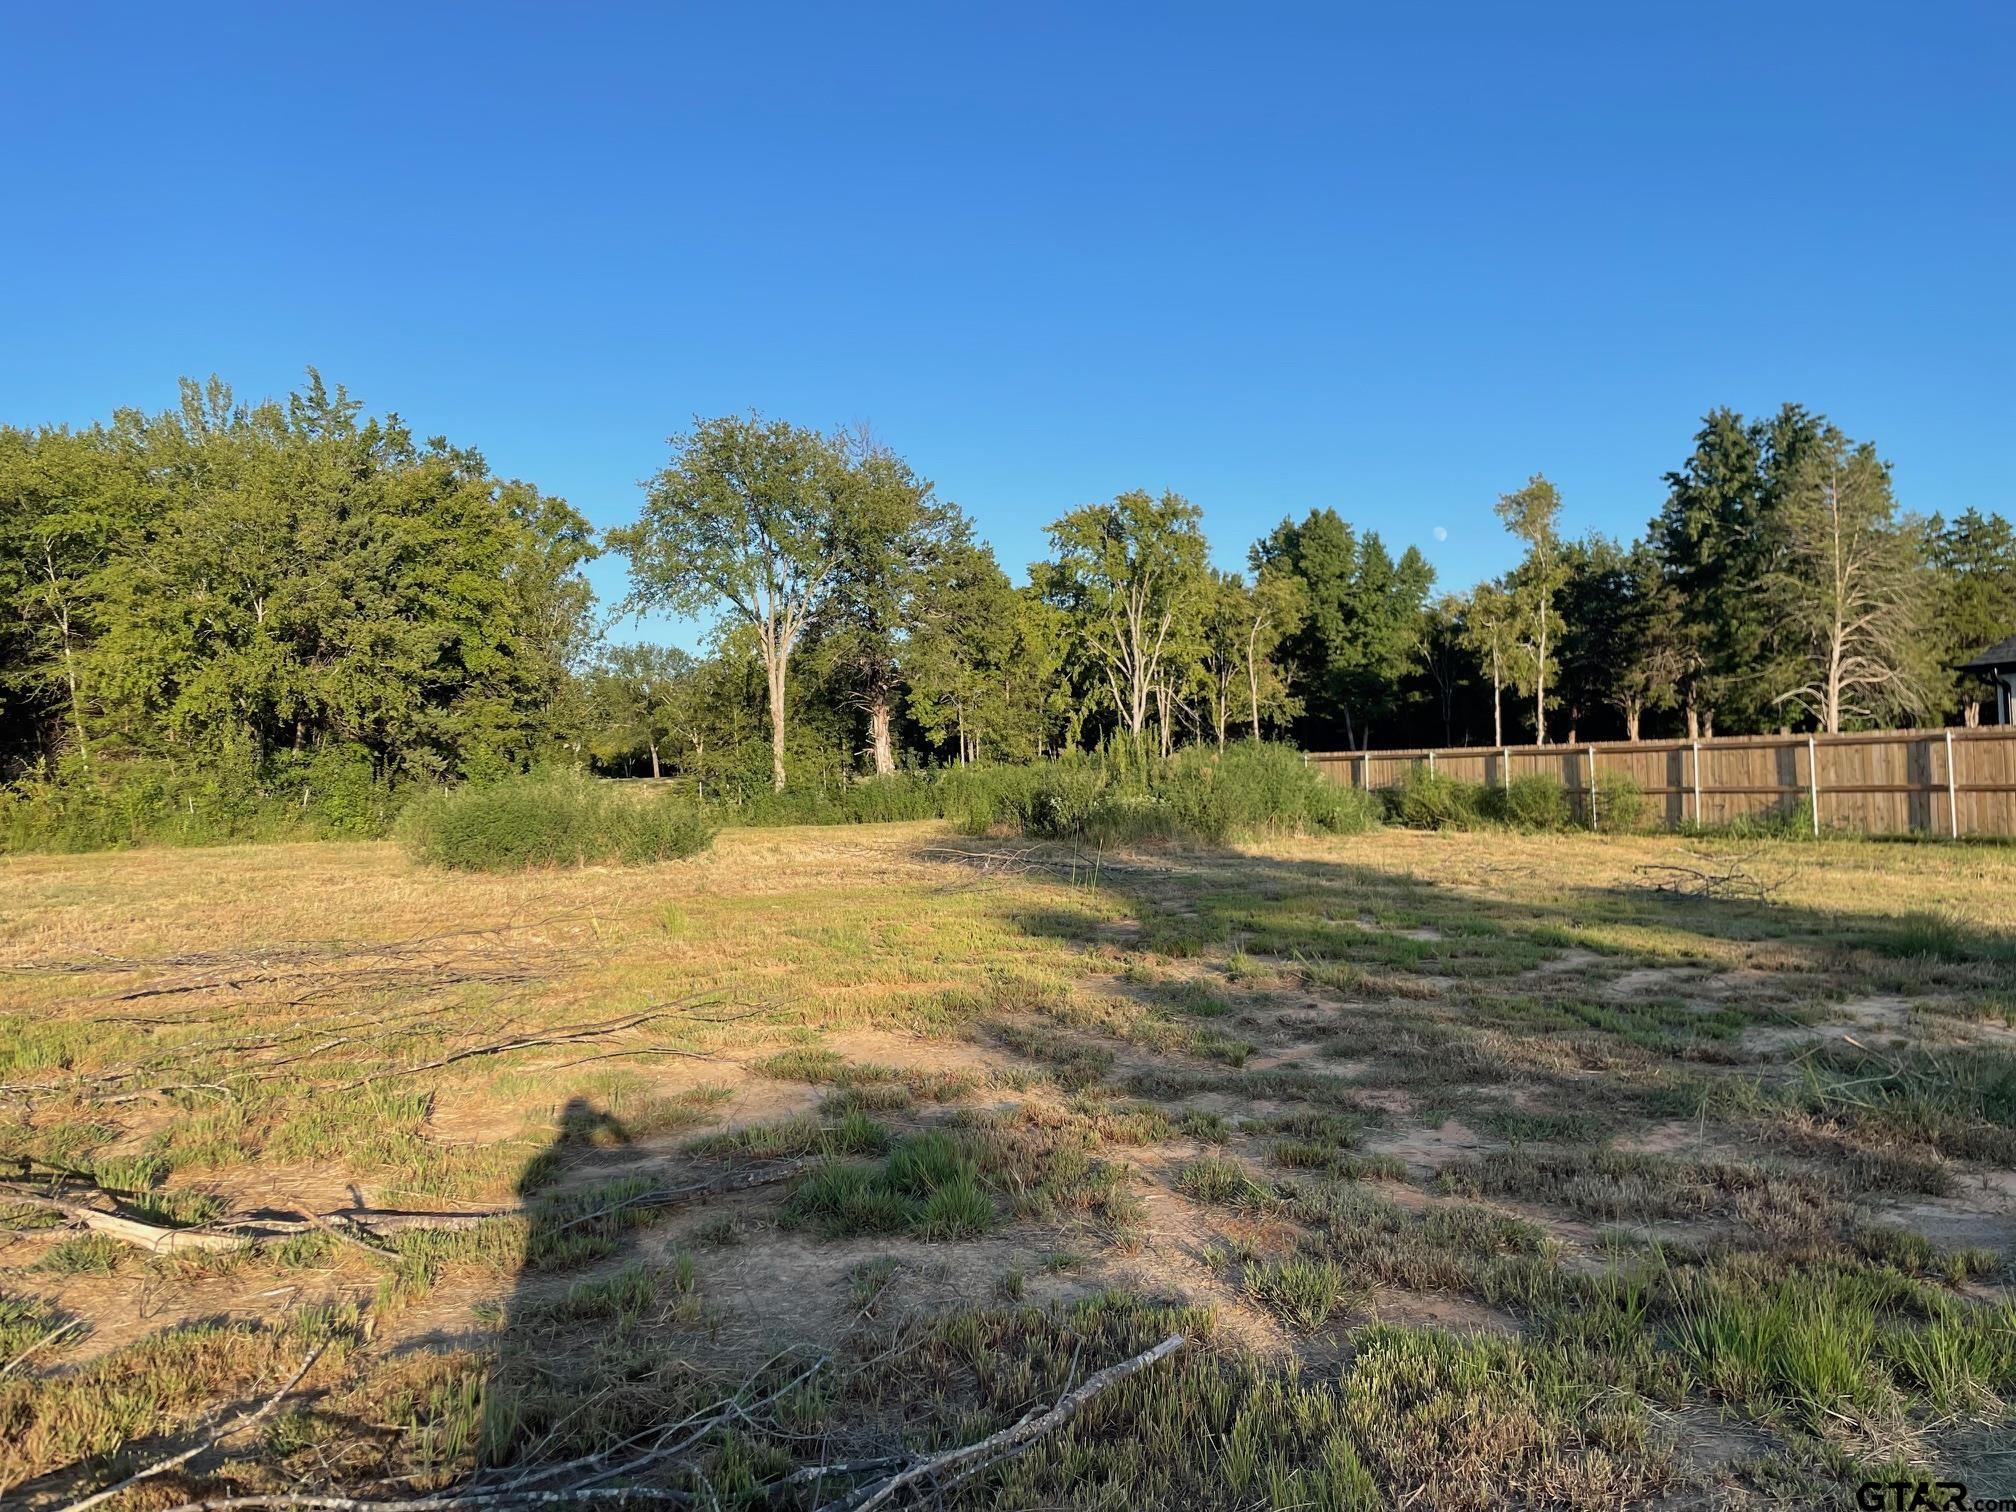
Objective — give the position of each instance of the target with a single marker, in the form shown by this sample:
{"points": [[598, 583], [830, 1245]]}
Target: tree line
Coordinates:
{"points": [[292, 597]]}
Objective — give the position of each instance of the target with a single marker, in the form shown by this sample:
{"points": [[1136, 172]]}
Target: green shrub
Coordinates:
{"points": [[1426, 799], [1621, 805], [215, 797], [1254, 787], [1536, 802], [549, 819]]}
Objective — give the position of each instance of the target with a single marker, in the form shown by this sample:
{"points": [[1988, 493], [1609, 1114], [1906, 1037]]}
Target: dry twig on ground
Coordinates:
{"points": [[1723, 882]]}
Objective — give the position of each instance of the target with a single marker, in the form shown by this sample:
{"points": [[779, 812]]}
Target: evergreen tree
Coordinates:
{"points": [[1973, 560]]}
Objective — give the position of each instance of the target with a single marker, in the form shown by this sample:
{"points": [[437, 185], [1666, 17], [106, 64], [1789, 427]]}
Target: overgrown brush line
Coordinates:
{"points": [[561, 817], [550, 819], [1114, 797], [1427, 799]]}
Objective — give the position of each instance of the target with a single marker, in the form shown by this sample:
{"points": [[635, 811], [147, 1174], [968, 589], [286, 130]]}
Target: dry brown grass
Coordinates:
{"points": [[1497, 1065]]}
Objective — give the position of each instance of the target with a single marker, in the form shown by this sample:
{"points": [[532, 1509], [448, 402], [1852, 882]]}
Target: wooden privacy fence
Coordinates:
{"points": [[1886, 782]]}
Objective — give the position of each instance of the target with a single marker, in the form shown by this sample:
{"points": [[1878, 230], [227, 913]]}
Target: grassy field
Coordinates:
{"points": [[1471, 1168]]}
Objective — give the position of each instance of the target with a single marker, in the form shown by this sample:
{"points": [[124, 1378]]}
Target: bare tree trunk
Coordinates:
{"points": [[1497, 697], [1253, 681], [774, 668], [655, 772], [1633, 712], [878, 735], [1970, 713], [69, 654]]}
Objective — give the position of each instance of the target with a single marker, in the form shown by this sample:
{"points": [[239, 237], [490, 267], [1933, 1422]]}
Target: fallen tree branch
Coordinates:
{"points": [[154, 1237], [443, 1503], [162, 1239], [1010, 1440], [248, 1420], [1704, 882], [572, 1034]]}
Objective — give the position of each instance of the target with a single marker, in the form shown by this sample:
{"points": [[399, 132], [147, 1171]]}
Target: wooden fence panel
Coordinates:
{"points": [[1985, 773], [1885, 782]]}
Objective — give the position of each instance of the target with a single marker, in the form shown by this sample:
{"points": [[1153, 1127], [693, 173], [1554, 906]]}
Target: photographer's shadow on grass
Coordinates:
{"points": [[581, 1294]]}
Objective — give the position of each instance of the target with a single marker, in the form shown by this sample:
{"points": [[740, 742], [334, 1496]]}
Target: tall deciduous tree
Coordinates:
{"points": [[1488, 631], [893, 533], [752, 513], [1274, 608], [982, 658], [1850, 595], [635, 697], [1130, 578], [1236, 672], [1533, 516], [1594, 603]]}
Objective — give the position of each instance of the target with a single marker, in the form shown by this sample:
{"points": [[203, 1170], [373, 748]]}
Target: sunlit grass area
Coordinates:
{"points": [[1564, 1169]]}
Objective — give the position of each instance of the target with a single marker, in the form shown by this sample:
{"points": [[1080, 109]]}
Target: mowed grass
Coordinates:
{"points": [[1477, 1168]]}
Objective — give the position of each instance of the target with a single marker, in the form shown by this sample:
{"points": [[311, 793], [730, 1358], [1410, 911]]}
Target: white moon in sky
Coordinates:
{"points": [[1441, 534]]}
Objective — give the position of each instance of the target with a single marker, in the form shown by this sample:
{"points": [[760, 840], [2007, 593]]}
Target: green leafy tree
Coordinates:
{"points": [[1271, 610], [1488, 631], [69, 501], [1973, 559], [1593, 604], [1446, 657], [1130, 580], [892, 534], [1649, 655], [1533, 516], [635, 692], [244, 589], [753, 514], [982, 659], [1361, 631]]}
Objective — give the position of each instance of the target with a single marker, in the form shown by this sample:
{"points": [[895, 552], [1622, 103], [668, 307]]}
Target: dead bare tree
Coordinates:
{"points": [[1850, 595]]}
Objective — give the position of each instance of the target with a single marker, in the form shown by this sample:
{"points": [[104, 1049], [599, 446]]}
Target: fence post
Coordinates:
{"points": [[1952, 787], [1431, 763], [1813, 780], [1697, 783], [1592, 787]]}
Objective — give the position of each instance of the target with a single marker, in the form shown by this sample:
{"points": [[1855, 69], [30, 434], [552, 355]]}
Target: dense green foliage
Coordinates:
{"points": [[1199, 793], [1427, 799], [233, 621], [550, 819], [217, 615]]}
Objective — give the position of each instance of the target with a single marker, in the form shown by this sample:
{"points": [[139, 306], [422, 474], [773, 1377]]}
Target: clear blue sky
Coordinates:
{"points": [[1392, 259]]}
